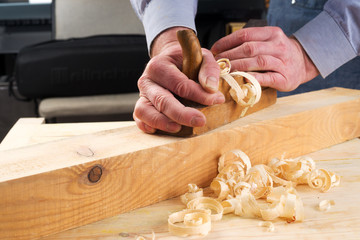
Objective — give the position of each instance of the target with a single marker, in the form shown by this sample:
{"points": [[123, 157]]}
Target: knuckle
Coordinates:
{"points": [[272, 79], [160, 102], [181, 89], [282, 47], [138, 111], [155, 66], [262, 62], [143, 82], [249, 49], [243, 35], [277, 32]]}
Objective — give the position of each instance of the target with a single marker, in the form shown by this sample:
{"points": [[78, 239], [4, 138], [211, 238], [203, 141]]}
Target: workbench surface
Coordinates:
{"points": [[342, 221]]}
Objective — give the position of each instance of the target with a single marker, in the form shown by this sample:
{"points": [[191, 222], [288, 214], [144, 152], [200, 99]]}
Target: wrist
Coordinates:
{"points": [[311, 70], [164, 40]]}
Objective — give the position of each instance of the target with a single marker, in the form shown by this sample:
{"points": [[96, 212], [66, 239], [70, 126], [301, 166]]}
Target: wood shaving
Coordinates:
{"points": [[194, 192], [190, 222], [238, 188], [321, 179], [325, 205], [207, 203], [143, 238], [251, 90], [269, 225]]}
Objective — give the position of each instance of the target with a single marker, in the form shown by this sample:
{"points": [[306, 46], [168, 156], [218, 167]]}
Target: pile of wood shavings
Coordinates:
{"points": [[241, 189]]}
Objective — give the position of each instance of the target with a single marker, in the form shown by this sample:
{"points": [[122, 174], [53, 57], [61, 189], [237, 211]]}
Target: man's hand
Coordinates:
{"points": [[267, 53], [157, 107]]}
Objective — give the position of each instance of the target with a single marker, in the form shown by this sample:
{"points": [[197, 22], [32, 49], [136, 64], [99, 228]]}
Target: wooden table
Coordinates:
{"points": [[342, 221]]}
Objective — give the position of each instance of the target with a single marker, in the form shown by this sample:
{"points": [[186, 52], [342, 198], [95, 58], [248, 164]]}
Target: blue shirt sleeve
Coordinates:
{"points": [[159, 15], [333, 37]]}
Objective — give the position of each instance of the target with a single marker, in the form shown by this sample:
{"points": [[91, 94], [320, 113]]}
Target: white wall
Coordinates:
{"points": [[82, 18]]}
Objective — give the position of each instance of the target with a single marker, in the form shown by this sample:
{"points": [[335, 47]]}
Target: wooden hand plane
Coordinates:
{"points": [[219, 114]]}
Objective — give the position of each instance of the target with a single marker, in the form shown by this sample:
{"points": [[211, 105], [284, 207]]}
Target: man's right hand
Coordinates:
{"points": [[157, 108]]}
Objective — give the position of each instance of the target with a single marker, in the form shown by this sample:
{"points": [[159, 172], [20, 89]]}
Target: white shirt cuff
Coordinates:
{"points": [[160, 15]]}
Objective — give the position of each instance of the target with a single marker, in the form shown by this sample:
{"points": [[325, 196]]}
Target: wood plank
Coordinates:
{"points": [[29, 131], [16, 137], [342, 221], [221, 114], [45, 187], [51, 132]]}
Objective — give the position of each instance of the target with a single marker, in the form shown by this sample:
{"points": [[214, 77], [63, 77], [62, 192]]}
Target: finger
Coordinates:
{"points": [[170, 77], [273, 80], [148, 118], [258, 63], [209, 72], [251, 49], [164, 102], [239, 37], [142, 126]]}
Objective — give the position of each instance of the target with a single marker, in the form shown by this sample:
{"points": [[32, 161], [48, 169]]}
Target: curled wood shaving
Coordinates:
{"points": [[335, 179], [250, 90], [321, 179], [325, 205], [190, 222], [231, 205], [295, 170], [194, 192], [259, 176], [207, 203], [220, 188], [269, 225]]}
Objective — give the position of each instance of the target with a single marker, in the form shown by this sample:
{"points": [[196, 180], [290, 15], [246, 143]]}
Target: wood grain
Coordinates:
{"points": [[342, 221], [29, 131], [45, 188], [14, 139]]}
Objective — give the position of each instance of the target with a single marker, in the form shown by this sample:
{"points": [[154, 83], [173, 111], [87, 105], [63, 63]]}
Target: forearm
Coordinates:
{"points": [[333, 37]]}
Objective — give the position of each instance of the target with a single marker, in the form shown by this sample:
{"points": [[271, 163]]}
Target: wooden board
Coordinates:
{"points": [[342, 221], [221, 114], [343, 158], [29, 131], [46, 189]]}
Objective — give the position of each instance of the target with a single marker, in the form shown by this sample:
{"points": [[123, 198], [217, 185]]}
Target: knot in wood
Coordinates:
{"points": [[95, 174]]}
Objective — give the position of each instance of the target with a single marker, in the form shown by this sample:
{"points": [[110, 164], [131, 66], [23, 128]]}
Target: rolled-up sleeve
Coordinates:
{"points": [[333, 37], [159, 15]]}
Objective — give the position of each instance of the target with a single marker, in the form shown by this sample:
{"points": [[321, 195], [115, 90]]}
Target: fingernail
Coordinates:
{"points": [[173, 127], [149, 129], [212, 83], [219, 99], [197, 122]]}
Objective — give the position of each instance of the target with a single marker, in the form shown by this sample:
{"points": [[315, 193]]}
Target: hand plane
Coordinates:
{"points": [[220, 114]]}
